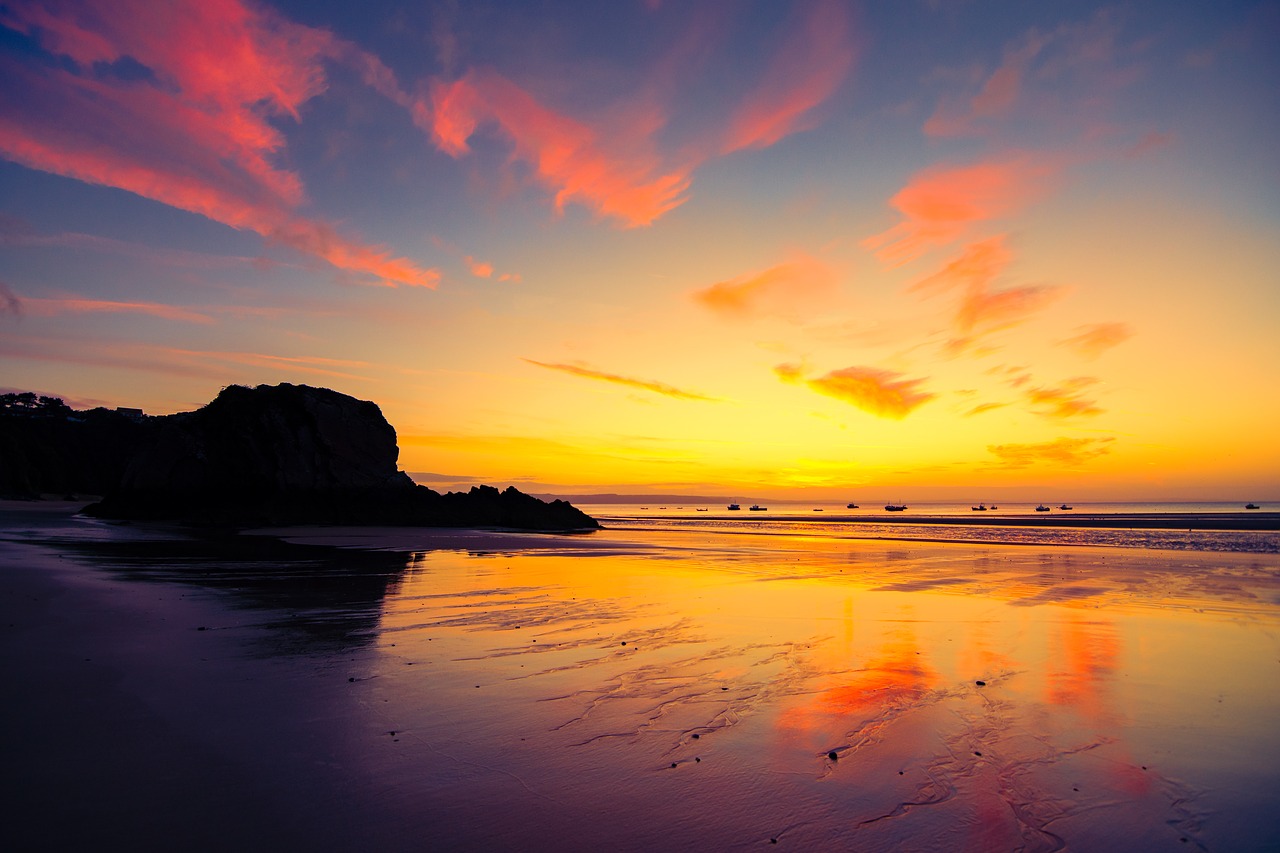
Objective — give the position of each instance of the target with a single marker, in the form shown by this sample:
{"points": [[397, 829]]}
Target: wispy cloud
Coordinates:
{"points": [[1093, 340], [996, 97], [984, 407], [611, 161], [9, 302], [938, 205], [1061, 452], [982, 309], [806, 71], [630, 382], [779, 288], [78, 305], [578, 162], [175, 103], [1065, 400], [220, 365], [883, 393]]}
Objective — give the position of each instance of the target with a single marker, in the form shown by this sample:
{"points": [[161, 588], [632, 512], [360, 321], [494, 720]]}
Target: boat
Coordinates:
{"points": [[979, 508], [699, 509], [1064, 506], [817, 509], [894, 507], [757, 508], [734, 506], [993, 506], [1042, 508], [1251, 506], [850, 506]]}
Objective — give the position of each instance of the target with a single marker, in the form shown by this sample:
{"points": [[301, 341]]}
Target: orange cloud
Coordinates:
{"points": [[982, 310], [1062, 452], [990, 311], [805, 73], [983, 407], [75, 305], [577, 161], [479, 269], [1064, 401], [1093, 340], [642, 384], [778, 287], [939, 205], [976, 268], [191, 129], [878, 392]]}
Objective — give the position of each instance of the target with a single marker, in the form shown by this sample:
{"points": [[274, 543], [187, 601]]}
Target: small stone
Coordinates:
{"points": [[696, 735], [773, 841], [833, 755], [673, 764], [697, 760], [981, 683], [202, 628], [979, 754], [352, 678]]}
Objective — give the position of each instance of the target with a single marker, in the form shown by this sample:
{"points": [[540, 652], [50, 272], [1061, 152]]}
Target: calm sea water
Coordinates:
{"points": [[873, 522]]}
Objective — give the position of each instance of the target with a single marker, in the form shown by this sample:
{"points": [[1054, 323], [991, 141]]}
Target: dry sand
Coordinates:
{"points": [[631, 691]]}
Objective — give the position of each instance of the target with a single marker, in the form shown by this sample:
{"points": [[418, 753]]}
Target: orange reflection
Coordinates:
{"points": [[867, 699]]}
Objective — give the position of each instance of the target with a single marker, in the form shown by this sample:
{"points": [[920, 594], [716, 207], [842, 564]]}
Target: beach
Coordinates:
{"points": [[636, 688]]}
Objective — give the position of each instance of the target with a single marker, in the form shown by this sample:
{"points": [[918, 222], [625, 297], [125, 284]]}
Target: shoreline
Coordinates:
{"points": [[1241, 521]]}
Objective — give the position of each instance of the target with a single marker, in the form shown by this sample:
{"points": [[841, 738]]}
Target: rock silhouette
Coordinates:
{"points": [[295, 454]]}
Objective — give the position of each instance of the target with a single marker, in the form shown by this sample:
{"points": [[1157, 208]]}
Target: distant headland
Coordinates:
{"points": [[270, 455]]}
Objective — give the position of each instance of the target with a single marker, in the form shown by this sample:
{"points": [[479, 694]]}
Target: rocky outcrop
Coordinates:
{"points": [[46, 448], [294, 454]]}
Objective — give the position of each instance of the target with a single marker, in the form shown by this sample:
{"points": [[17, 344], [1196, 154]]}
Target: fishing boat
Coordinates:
{"points": [[757, 508], [1042, 508], [1251, 506], [979, 508], [1064, 506], [850, 506], [734, 506], [894, 507]]}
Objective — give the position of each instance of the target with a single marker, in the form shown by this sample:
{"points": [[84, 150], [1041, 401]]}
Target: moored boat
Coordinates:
{"points": [[757, 508], [1042, 508], [734, 506]]}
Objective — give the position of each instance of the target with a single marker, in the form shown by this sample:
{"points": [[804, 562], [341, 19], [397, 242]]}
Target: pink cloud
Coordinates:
{"points": [[777, 288], [578, 162], [610, 162], [631, 382], [1093, 340], [811, 64], [878, 392], [939, 205], [195, 132]]}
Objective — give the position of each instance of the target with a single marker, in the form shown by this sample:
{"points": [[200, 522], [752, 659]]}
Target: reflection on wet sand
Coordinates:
{"points": [[728, 692]]}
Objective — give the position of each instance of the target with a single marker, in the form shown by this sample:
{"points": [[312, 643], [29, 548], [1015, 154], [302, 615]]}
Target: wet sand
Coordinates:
{"points": [[631, 691]]}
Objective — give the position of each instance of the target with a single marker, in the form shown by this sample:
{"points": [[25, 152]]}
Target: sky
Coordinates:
{"points": [[824, 250]]}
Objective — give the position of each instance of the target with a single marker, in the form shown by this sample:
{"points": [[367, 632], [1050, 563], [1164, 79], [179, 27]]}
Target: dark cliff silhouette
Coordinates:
{"points": [[283, 454]]}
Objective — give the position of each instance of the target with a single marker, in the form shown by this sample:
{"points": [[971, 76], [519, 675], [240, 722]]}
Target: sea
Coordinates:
{"points": [[1150, 525]]}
